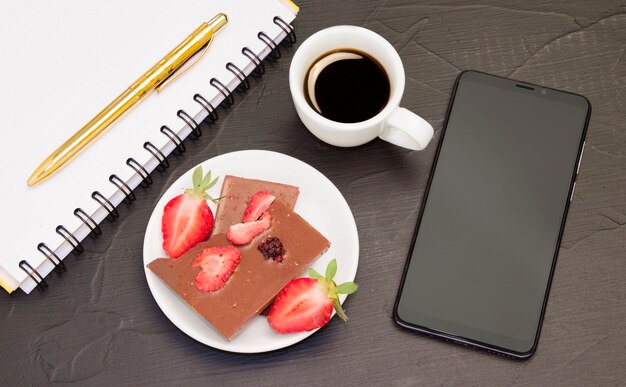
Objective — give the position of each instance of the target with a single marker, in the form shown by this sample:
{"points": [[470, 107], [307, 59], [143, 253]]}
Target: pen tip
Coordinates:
{"points": [[39, 175], [32, 181]]}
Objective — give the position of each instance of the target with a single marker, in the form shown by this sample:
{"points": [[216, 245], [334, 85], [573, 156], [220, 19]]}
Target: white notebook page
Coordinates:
{"points": [[63, 61]]}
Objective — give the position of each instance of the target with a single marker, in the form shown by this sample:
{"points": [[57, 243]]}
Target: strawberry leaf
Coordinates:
{"points": [[340, 311], [331, 270], [212, 183], [206, 181], [196, 179], [347, 288], [201, 184], [315, 274]]}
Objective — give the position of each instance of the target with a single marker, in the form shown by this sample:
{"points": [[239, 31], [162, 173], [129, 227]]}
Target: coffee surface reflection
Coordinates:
{"points": [[347, 86]]}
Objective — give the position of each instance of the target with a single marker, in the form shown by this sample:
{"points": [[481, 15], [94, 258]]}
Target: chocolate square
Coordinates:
{"points": [[256, 281], [236, 191]]}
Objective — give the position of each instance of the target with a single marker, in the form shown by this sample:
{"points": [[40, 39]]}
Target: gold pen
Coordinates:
{"points": [[156, 78]]}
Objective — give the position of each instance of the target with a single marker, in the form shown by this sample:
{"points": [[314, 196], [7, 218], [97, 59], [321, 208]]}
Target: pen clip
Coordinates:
{"points": [[180, 71]]}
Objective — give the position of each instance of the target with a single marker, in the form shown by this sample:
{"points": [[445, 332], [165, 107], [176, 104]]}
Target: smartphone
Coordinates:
{"points": [[485, 245]]}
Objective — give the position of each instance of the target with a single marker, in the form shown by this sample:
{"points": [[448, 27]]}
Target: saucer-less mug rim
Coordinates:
{"points": [[307, 54]]}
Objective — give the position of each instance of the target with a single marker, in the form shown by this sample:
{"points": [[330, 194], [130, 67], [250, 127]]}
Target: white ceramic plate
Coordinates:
{"points": [[320, 203]]}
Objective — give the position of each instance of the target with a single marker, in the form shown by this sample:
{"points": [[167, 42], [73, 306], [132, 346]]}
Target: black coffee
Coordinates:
{"points": [[347, 86]]}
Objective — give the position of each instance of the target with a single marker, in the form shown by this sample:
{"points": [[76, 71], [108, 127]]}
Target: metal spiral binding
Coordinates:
{"points": [[106, 204], [180, 146], [274, 54], [259, 67], [59, 266], [158, 155], [229, 100], [34, 275], [71, 239], [129, 194], [290, 38], [96, 231], [193, 125], [244, 83], [206, 105], [146, 179]]}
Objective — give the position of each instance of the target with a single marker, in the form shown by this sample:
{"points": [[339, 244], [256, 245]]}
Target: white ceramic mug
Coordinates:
{"points": [[393, 123]]}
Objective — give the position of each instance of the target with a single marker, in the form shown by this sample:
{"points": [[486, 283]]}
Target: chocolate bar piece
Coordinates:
{"points": [[236, 191], [256, 281]]}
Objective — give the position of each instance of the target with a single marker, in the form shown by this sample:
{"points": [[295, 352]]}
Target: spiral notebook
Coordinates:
{"points": [[62, 63]]}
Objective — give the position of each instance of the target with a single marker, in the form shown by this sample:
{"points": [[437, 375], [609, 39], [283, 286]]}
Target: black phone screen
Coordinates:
{"points": [[481, 264]]}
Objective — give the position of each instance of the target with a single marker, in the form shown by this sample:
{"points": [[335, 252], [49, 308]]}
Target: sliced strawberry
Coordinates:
{"points": [[305, 304], [243, 233], [302, 305], [218, 264], [258, 204], [187, 219]]}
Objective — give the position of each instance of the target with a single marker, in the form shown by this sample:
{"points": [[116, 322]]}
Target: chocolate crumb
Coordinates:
{"points": [[272, 248]]}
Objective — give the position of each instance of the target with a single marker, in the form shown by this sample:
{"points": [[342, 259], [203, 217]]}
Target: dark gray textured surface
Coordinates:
{"points": [[97, 324]]}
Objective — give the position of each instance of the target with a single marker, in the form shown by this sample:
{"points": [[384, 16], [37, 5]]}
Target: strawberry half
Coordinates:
{"points": [[187, 219], [305, 304], [258, 204], [243, 233], [218, 264]]}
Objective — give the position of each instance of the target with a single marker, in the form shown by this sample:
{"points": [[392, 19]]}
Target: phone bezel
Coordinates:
{"points": [[462, 340]]}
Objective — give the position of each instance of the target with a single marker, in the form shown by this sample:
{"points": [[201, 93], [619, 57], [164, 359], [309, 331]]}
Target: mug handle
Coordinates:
{"points": [[406, 129]]}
